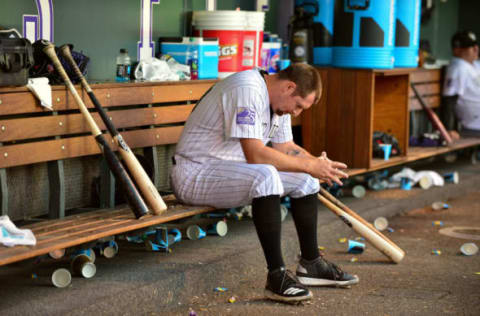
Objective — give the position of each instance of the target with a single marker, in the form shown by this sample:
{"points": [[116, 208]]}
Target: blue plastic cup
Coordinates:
{"points": [[355, 246], [220, 228], [194, 232], [406, 184], [451, 177], [387, 150], [283, 63]]}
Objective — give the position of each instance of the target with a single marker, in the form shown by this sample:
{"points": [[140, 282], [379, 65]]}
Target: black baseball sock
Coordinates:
{"points": [[268, 223], [305, 213]]}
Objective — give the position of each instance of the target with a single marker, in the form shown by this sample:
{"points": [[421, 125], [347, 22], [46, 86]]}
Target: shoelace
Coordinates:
{"points": [[291, 280]]}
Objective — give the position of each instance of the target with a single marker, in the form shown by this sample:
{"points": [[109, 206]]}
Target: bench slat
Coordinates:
{"points": [[427, 75], [432, 88], [29, 153], [113, 95], [433, 101], [45, 126]]}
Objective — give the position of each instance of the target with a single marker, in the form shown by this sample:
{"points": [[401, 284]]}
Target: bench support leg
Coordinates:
{"points": [[4, 191], [107, 186], [150, 154], [56, 180]]}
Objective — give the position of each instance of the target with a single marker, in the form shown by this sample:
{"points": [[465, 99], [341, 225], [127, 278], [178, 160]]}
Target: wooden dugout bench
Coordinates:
{"points": [[147, 115], [150, 115]]}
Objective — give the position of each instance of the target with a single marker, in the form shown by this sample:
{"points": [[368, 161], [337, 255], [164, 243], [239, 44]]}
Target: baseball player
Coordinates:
{"points": [[224, 160], [462, 84]]}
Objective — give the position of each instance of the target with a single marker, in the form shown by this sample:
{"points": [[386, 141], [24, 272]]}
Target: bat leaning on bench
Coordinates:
{"points": [[145, 185], [134, 199], [362, 227]]}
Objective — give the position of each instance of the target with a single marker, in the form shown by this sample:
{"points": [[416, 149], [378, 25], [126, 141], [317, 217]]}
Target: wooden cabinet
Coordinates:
{"points": [[356, 102]]}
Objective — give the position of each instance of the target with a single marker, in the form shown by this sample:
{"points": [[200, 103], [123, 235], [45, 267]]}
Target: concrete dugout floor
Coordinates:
{"points": [[137, 282]]}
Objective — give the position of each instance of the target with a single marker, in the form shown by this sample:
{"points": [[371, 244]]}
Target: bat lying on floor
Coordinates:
{"points": [[362, 227]]}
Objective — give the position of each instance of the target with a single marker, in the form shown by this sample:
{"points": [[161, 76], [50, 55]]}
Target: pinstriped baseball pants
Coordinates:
{"points": [[226, 184]]}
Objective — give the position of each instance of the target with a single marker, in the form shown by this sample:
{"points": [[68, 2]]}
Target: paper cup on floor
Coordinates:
{"points": [[194, 232], [425, 182], [110, 249], [284, 212], [437, 206], [57, 254], [387, 150], [83, 266], [380, 223], [469, 249], [355, 246], [451, 177], [358, 191], [61, 278], [406, 184], [220, 228]]}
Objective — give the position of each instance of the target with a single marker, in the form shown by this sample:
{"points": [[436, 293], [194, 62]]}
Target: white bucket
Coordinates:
{"points": [[239, 33]]}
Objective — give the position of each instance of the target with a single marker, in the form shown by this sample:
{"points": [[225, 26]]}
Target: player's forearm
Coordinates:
{"points": [[292, 160], [291, 149]]}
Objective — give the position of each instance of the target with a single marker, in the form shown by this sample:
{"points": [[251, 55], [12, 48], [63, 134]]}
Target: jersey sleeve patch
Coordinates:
{"points": [[245, 116]]}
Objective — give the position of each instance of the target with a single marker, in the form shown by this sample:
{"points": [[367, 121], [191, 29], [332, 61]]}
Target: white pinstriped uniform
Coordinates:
{"points": [[211, 168]]}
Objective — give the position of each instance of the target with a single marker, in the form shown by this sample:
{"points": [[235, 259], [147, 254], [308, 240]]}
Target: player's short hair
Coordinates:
{"points": [[306, 77]]}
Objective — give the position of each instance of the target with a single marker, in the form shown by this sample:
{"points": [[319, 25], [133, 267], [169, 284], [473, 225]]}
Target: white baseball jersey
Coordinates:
{"points": [[463, 79], [211, 168]]}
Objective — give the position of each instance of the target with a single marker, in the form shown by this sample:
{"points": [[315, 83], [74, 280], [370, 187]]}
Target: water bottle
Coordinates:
{"points": [[123, 66], [192, 60]]}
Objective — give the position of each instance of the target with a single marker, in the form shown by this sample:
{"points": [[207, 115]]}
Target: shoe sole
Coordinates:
{"points": [[325, 282], [292, 300]]}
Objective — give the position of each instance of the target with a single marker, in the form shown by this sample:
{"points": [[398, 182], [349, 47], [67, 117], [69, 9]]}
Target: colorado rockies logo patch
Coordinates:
{"points": [[246, 116]]}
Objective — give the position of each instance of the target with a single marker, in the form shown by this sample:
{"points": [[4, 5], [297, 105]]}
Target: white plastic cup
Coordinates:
{"points": [[425, 182], [358, 191], [61, 278], [284, 212], [83, 266], [355, 246], [380, 223], [220, 228], [469, 249], [57, 254], [194, 232], [437, 206]]}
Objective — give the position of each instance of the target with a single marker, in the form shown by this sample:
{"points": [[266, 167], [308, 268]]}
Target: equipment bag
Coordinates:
{"points": [[384, 138], [16, 58], [43, 66]]}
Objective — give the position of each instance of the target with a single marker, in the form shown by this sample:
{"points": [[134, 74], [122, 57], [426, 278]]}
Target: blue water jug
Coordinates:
{"points": [[364, 33], [407, 33], [322, 28]]}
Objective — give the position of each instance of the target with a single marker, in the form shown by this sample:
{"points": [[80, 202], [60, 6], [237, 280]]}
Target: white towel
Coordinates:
{"points": [[42, 90], [11, 236]]}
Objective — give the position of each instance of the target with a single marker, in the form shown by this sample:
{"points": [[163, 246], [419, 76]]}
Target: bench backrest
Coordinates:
{"points": [[147, 114]]}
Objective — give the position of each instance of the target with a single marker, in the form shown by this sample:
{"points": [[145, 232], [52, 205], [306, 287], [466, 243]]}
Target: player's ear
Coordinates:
{"points": [[289, 87]]}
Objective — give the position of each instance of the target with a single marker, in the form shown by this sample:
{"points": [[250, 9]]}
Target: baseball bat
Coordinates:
{"points": [[394, 253], [134, 199], [347, 210], [432, 117], [145, 185]]}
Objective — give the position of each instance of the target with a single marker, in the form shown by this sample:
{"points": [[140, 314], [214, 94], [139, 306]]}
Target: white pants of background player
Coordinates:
{"points": [[226, 184]]}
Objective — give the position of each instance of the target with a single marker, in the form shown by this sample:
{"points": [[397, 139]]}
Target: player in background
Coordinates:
{"points": [[462, 85]]}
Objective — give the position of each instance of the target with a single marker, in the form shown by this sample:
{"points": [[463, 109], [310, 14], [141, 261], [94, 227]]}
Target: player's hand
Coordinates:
{"points": [[328, 170]]}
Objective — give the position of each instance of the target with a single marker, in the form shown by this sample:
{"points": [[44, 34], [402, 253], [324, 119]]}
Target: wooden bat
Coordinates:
{"points": [[146, 187], [391, 251], [433, 117], [347, 210], [134, 199]]}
